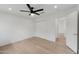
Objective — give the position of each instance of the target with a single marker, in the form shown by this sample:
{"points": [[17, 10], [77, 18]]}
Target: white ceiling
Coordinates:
{"points": [[49, 9]]}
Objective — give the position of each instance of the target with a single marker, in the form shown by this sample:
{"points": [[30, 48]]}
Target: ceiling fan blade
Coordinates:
{"points": [[38, 10], [24, 11], [30, 8], [28, 5], [37, 13]]}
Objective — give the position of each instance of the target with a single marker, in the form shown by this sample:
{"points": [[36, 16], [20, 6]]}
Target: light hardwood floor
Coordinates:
{"points": [[35, 45]]}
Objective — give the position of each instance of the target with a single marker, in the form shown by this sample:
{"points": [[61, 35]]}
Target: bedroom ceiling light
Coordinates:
{"points": [[55, 6], [10, 9]]}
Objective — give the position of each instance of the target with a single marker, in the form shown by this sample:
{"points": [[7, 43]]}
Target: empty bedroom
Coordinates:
{"points": [[38, 28]]}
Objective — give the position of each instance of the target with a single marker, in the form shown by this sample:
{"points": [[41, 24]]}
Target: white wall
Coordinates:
{"points": [[46, 29], [14, 28]]}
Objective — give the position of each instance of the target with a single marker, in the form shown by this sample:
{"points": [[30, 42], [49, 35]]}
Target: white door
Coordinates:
{"points": [[61, 23], [71, 31], [68, 26]]}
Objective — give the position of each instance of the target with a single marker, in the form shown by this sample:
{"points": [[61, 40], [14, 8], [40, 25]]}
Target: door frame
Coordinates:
{"points": [[77, 33]]}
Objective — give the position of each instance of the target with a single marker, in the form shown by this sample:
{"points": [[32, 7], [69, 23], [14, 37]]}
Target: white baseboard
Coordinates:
{"points": [[11, 42]]}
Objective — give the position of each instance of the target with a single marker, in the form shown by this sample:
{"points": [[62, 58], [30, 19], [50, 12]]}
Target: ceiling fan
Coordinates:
{"points": [[31, 10]]}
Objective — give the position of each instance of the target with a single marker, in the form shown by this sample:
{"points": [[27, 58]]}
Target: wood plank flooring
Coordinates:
{"points": [[35, 45]]}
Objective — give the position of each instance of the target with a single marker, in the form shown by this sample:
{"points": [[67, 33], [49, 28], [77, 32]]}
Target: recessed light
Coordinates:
{"points": [[55, 6], [10, 9]]}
